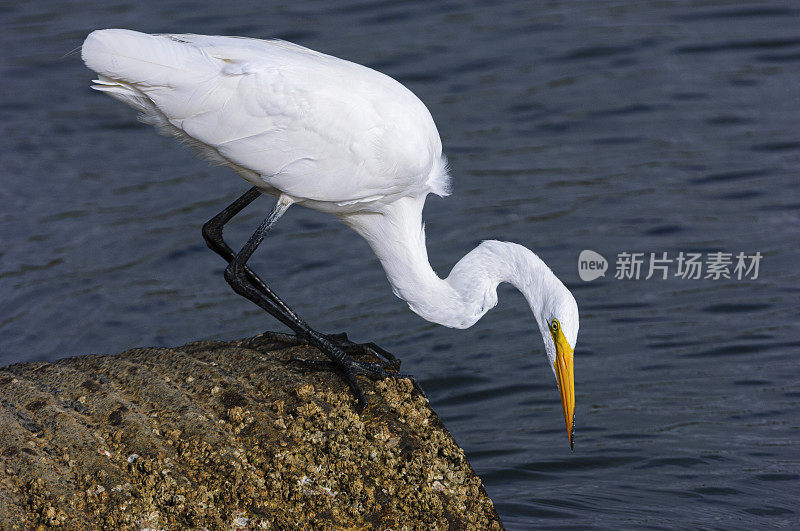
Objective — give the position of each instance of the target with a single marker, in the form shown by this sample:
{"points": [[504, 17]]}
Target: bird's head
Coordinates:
{"points": [[558, 324], [552, 304]]}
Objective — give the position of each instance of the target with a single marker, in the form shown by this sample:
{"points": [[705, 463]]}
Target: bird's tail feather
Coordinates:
{"points": [[124, 92]]}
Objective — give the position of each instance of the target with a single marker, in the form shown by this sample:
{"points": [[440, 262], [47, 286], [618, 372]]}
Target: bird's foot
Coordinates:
{"points": [[339, 340], [341, 351], [350, 368], [289, 340], [364, 349]]}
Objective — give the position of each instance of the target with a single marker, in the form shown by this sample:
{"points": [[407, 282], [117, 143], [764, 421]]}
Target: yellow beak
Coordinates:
{"points": [[566, 383]]}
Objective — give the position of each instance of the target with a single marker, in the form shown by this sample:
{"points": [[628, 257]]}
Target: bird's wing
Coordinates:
{"points": [[311, 125]]}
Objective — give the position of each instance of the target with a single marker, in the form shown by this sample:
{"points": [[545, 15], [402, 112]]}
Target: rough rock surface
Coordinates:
{"points": [[224, 435]]}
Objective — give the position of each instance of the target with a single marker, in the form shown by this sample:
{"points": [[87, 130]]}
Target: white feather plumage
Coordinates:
{"points": [[277, 111]]}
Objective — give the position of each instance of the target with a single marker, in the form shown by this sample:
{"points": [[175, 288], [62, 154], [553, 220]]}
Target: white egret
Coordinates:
{"points": [[332, 135]]}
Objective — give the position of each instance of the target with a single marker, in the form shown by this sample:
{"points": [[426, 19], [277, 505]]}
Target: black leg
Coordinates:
{"points": [[246, 283], [212, 233], [236, 276]]}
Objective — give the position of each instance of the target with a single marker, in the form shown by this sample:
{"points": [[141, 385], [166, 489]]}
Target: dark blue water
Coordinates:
{"points": [[615, 126]]}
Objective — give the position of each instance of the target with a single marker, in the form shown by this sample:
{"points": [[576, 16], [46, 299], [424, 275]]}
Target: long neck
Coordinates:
{"points": [[397, 237]]}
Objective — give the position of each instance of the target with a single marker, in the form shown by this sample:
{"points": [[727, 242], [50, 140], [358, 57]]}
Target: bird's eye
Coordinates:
{"points": [[554, 326]]}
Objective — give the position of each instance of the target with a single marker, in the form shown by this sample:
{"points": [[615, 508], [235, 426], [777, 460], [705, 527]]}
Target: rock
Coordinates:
{"points": [[224, 434]]}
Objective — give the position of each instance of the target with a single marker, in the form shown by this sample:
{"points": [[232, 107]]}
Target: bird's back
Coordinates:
{"points": [[285, 117]]}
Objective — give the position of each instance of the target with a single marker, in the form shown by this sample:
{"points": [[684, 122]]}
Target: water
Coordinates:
{"points": [[630, 126]]}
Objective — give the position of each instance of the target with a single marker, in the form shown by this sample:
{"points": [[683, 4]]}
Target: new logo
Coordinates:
{"points": [[591, 265]]}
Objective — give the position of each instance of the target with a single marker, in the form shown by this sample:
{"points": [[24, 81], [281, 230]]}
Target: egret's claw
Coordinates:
{"points": [[340, 340]]}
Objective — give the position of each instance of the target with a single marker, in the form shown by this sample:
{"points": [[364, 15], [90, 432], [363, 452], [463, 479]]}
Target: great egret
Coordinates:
{"points": [[332, 135]]}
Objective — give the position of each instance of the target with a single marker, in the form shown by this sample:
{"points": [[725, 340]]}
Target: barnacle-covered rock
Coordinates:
{"points": [[224, 435]]}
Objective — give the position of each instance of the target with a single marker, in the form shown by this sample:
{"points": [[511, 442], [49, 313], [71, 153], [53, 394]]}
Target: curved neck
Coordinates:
{"points": [[397, 237]]}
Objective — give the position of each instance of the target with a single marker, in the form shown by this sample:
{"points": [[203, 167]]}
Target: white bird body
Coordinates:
{"points": [[338, 137], [326, 132]]}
